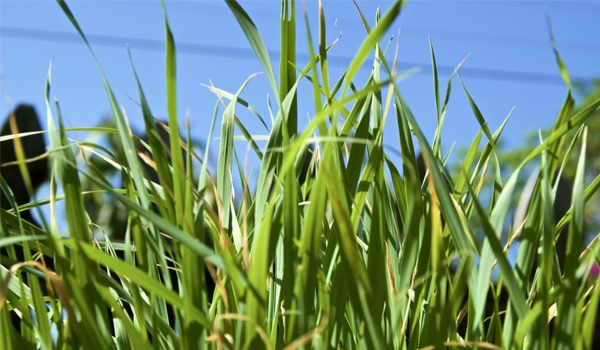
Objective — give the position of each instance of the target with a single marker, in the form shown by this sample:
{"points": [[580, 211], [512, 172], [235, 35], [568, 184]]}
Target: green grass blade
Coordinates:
{"points": [[566, 303], [256, 42], [176, 152], [370, 42]]}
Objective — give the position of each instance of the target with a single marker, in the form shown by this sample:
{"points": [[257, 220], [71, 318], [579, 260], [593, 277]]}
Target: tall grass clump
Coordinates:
{"points": [[336, 247]]}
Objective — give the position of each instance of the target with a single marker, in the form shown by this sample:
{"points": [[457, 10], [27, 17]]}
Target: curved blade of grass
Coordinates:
{"points": [[560, 130], [133, 163], [370, 42], [256, 42], [491, 251], [141, 279], [490, 228], [238, 99], [132, 333], [158, 151], [225, 156]]}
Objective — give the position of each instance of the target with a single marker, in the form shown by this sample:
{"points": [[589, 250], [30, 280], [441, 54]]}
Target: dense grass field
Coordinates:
{"points": [[338, 247]]}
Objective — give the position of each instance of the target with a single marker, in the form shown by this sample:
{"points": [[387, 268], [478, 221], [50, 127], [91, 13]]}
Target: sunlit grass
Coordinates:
{"points": [[357, 256]]}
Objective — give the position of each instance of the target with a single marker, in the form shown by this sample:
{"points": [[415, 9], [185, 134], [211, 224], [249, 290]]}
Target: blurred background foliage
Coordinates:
{"points": [[511, 158]]}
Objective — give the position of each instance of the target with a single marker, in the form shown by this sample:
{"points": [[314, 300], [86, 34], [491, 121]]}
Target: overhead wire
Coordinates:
{"points": [[247, 53]]}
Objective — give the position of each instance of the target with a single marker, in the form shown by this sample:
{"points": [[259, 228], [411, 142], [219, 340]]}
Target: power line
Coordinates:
{"points": [[503, 40], [247, 53]]}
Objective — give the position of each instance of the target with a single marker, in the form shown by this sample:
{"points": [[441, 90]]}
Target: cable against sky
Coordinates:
{"points": [[247, 53]]}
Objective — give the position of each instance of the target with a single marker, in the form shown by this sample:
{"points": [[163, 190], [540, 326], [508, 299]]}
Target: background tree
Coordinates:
{"points": [[590, 92]]}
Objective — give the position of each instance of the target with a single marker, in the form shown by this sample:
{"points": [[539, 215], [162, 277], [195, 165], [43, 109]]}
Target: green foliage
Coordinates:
{"points": [[592, 93], [358, 255]]}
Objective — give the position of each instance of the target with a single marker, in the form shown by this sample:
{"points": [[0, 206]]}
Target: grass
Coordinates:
{"points": [[357, 256]]}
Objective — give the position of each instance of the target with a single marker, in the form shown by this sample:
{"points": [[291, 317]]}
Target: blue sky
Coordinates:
{"points": [[510, 62]]}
